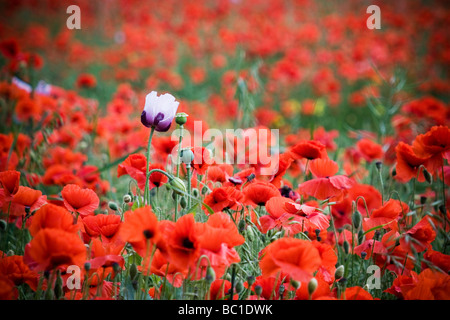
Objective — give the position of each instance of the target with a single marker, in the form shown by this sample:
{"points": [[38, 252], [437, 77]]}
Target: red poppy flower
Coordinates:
{"points": [[222, 198], [217, 239], [258, 193], [220, 173], [162, 267], [219, 290], [139, 228], [309, 150], [105, 226], [370, 150], [430, 285], [84, 201], [419, 237], [10, 180], [134, 166], [294, 257], [52, 216], [356, 293], [386, 215], [52, 248], [202, 159], [408, 163], [326, 185], [8, 290], [284, 162], [17, 271], [25, 199], [183, 244], [86, 80], [435, 144]]}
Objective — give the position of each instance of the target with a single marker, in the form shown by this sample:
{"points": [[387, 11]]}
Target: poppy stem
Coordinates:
{"points": [[147, 179], [180, 140], [189, 172]]}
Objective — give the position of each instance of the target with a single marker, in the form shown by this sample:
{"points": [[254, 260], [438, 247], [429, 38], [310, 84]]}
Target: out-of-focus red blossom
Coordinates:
{"points": [[87, 80]]}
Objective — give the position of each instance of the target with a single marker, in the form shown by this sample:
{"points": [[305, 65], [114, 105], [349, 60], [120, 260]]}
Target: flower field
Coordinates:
{"points": [[224, 150]]}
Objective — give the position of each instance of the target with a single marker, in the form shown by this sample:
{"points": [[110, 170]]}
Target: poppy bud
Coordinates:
{"points": [[195, 192], [296, 284], [251, 177], [3, 224], [346, 246], [133, 272], [116, 267], [113, 206], [183, 202], [249, 233], [339, 273], [312, 286], [423, 200], [356, 219], [241, 226], [378, 164], [49, 295], [210, 275], [205, 190], [178, 185], [360, 236], [428, 176], [394, 172], [59, 286], [317, 231], [187, 156], [376, 235], [181, 118], [87, 266], [258, 290], [127, 198], [281, 289], [251, 280], [239, 286]]}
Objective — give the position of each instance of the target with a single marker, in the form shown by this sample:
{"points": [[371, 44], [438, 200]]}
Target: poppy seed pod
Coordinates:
{"points": [[181, 118], [187, 156], [159, 111], [127, 198]]}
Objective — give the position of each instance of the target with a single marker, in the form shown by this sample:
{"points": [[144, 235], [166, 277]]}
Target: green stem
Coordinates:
{"points": [[147, 181], [189, 185]]}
